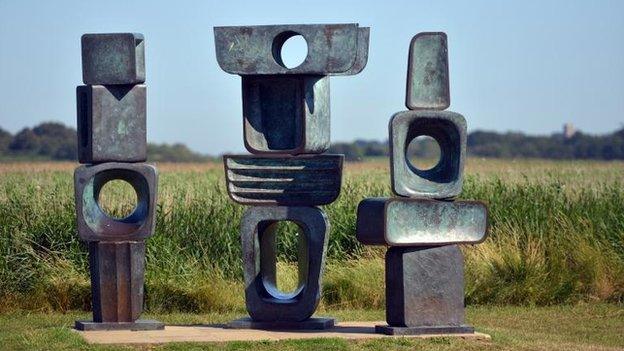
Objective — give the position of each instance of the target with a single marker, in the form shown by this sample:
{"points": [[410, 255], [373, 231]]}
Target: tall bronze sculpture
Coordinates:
{"points": [[424, 225], [112, 145], [286, 127]]}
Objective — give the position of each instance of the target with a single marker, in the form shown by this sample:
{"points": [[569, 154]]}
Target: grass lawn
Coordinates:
{"points": [[579, 327]]}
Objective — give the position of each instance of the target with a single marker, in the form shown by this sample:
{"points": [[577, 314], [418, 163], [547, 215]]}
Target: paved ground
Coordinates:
{"points": [[216, 333]]}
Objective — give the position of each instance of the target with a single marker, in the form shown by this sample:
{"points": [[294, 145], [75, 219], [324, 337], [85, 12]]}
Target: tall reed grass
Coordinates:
{"points": [[555, 237]]}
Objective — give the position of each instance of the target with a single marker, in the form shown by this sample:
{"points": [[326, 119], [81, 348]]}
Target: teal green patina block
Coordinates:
{"points": [[445, 179], [111, 123], [428, 73], [420, 222], [113, 58]]}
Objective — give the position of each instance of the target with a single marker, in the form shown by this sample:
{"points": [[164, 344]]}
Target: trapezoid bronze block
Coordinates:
{"points": [[111, 123], [428, 72], [420, 222], [252, 50], [425, 286], [286, 114], [113, 58], [95, 225], [264, 301], [306, 180], [444, 180]]}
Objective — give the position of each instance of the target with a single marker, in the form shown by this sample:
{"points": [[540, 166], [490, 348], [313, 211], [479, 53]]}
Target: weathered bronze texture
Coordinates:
{"points": [[425, 286], [93, 224], [113, 58], [420, 222], [111, 138], [306, 180], [111, 123], [117, 279], [117, 271], [253, 50], [265, 303], [428, 73], [443, 181], [362, 53], [286, 114]]}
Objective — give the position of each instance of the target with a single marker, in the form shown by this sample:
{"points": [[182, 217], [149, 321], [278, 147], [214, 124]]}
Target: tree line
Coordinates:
{"points": [[55, 141], [506, 145]]}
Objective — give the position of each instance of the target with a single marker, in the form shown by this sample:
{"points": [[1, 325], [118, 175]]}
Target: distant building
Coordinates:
{"points": [[568, 130]]}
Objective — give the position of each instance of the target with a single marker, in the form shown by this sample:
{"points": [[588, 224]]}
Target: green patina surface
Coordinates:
{"points": [[409, 222], [428, 81]]}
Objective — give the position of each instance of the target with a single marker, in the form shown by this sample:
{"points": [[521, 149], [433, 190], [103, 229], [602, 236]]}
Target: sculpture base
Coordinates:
{"points": [[390, 330], [141, 324], [308, 324]]}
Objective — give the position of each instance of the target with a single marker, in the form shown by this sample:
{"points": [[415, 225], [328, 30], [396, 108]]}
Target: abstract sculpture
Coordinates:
{"points": [[424, 266], [111, 145], [286, 123]]}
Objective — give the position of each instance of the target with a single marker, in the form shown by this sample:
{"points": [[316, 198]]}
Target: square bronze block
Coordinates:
{"points": [[115, 58], [428, 73], [420, 222], [264, 301], [425, 286], [286, 114], [111, 123], [333, 49], [445, 179], [95, 225]]}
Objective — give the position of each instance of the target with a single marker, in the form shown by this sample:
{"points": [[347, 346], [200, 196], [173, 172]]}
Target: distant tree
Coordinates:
{"points": [[25, 142], [173, 153], [5, 140]]}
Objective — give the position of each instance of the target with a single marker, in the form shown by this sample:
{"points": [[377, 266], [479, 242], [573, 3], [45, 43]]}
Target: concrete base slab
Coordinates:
{"points": [[389, 330], [141, 324], [308, 324], [218, 333]]}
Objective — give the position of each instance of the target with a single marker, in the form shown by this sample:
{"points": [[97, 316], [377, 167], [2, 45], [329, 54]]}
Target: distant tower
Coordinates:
{"points": [[568, 130]]}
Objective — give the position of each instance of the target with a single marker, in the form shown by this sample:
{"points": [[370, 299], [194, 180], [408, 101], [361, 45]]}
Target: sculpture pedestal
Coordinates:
{"points": [[308, 324], [141, 324], [437, 330]]}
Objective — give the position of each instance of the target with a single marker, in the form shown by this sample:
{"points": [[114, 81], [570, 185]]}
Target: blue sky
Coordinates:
{"points": [[526, 66]]}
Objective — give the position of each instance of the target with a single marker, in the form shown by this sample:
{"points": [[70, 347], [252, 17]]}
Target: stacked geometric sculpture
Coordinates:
{"points": [[423, 226], [111, 145], [286, 121]]}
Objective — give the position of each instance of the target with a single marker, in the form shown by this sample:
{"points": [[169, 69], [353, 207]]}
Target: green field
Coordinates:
{"points": [[556, 241], [557, 236]]}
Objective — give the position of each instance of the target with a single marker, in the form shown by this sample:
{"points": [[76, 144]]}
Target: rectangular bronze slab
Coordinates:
{"points": [[305, 180], [332, 49], [420, 222], [428, 73]]}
